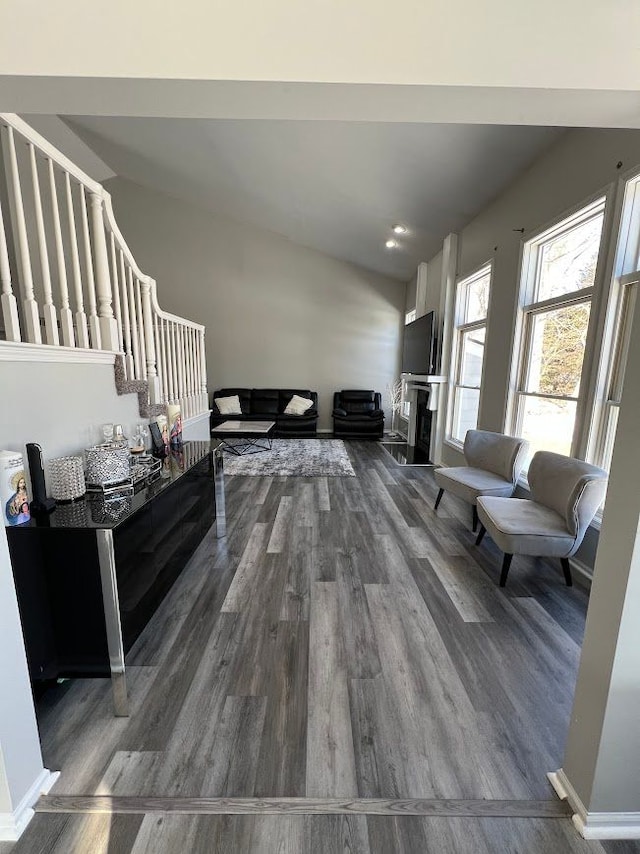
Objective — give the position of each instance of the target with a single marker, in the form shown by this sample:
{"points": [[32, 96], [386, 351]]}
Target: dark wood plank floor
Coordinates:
{"points": [[343, 641]]}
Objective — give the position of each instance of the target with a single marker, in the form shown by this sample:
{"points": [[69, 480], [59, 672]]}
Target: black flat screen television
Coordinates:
{"points": [[419, 345]]}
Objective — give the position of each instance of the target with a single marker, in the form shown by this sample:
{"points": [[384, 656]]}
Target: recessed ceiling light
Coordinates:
{"points": [[399, 229], [391, 244]]}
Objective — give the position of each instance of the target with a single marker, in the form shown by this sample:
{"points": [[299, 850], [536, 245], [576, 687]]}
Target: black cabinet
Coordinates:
{"points": [[90, 576]]}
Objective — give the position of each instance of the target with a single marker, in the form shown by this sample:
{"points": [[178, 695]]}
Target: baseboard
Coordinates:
{"points": [[582, 573], [594, 825], [12, 824]]}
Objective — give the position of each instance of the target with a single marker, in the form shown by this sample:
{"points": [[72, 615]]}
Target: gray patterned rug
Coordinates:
{"points": [[294, 458]]}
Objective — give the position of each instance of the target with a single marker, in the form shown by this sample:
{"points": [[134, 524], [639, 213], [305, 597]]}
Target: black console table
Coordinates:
{"points": [[90, 575]]}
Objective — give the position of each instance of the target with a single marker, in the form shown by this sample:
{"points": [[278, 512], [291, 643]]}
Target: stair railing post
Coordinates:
{"points": [[149, 341], [66, 317], [50, 314], [29, 304], [107, 321], [203, 374], [9, 303]]}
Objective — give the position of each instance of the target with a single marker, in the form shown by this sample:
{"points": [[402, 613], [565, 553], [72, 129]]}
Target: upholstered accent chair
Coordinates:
{"points": [[494, 462], [358, 413], [566, 494]]}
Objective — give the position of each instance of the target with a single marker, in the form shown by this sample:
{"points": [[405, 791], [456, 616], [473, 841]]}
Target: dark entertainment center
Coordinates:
{"points": [[90, 575]]}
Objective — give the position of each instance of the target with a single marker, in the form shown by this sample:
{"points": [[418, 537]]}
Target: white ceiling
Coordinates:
{"points": [[333, 186]]}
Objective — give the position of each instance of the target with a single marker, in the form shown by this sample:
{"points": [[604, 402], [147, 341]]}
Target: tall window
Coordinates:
{"points": [[624, 296], [559, 269], [472, 305]]}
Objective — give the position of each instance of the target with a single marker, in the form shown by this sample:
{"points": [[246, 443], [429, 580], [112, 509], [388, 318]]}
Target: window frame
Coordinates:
{"points": [[460, 328], [528, 308], [618, 312]]}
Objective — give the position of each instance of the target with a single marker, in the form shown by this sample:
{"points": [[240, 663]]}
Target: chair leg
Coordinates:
{"points": [[438, 499], [566, 568], [506, 563], [481, 534], [475, 518]]}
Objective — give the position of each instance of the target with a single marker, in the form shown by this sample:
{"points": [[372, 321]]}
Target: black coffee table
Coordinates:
{"points": [[249, 434]]}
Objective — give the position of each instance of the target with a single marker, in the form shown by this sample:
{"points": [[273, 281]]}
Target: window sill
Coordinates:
{"points": [[452, 443]]}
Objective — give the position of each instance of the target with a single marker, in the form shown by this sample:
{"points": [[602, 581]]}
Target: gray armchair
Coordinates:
{"points": [[494, 463], [566, 494]]}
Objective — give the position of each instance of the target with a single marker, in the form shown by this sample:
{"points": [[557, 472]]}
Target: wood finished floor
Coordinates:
{"points": [[342, 642]]}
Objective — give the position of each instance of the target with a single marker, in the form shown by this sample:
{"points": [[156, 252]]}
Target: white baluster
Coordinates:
{"points": [[161, 377], [82, 330], [196, 362], [135, 341], [162, 338], [204, 398], [194, 388], [49, 310], [170, 364], [29, 304], [94, 324], [141, 330], [189, 364], [147, 316], [66, 318], [108, 325], [9, 304], [180, 364], [128, 357], [116, 292]]}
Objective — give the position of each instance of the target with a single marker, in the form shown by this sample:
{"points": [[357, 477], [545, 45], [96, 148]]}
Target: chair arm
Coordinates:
{"points": [[340, 412], [376, 413]]}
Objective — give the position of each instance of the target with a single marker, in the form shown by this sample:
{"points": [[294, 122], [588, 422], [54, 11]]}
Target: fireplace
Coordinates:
{"points": [[424, 422], [422, 394]]}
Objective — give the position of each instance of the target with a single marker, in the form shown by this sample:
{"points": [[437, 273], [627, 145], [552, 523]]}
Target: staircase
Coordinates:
{"points": [[70, 281]]}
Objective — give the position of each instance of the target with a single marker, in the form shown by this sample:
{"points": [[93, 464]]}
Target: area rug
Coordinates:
{"points": [[294, 458]]}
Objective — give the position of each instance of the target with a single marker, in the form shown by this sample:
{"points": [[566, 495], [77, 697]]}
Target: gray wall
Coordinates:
{"points": [[60, 406], [277, 314], [580, 164]]}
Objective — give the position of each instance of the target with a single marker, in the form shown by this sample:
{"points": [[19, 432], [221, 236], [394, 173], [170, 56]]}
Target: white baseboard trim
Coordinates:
{"points": [[594, 825], [12, 824], [584, 572]]}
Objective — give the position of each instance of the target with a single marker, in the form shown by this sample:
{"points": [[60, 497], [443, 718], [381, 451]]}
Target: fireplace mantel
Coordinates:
{"points": [[429, 384]]}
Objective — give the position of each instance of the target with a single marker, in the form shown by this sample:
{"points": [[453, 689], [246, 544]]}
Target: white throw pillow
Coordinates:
{"points": [[298, 405], [229, 405]]}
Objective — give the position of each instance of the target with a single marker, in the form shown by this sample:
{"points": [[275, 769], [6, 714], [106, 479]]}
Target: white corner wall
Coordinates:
{"points": [[277, 315], [60, 406], [22, 775]]}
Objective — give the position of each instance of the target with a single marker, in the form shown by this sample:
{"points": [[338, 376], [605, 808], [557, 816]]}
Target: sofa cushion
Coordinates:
{"points": [[265, 401], [243, 393], [518, 526], [298, 405], [468, 483], [229, 405], [287, 393], [356, 400]]}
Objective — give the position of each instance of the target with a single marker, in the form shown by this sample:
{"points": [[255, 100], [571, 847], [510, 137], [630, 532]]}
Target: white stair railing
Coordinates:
{"points": [[56, 211]]}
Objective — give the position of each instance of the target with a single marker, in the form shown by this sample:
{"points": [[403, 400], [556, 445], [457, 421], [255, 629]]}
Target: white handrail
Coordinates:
{"points": [[160, 348]]}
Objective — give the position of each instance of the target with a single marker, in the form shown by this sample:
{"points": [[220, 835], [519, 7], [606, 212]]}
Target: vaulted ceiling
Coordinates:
{"points": [[337, 187]]}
